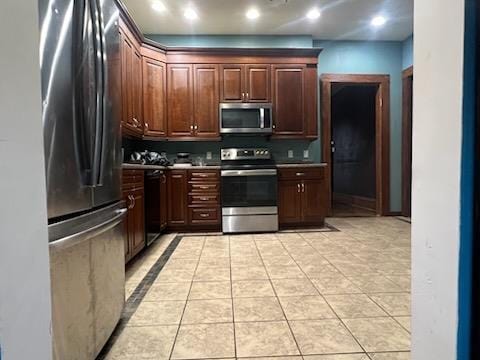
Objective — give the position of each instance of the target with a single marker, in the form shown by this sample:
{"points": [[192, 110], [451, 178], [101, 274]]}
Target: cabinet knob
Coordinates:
{"points": [[191, 127], [273, 126], [196, 127], [298, 187]]}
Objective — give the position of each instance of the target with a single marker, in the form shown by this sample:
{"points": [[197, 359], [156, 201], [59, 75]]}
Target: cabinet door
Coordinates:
{"points": [[129, 224], [232, 83], [137, 100], [180, 100], [314, 201], [288, 104], [206, 99], [138, 242], [154, 98], [126, 50], [163, 202], [177, 198], [257, 83], [289, 202], [310, 102]]}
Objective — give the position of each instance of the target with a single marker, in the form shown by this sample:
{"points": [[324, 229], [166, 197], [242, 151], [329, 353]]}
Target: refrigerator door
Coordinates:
{"points": [[66, 121], [87, 281], [108, 158]]}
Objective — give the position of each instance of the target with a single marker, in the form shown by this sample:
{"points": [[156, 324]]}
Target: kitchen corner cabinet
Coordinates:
{"points": [[131, 84], [133, 194], [302, 196], [294, 90], [154, 98], [245, 83]]}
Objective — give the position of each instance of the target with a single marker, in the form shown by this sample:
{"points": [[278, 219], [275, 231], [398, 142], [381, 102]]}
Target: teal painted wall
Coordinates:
{"points": [[407, 52], [263, 41], [369, 57]]}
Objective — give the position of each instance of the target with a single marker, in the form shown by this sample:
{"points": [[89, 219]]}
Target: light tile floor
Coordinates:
{"points": [[318, 295]]}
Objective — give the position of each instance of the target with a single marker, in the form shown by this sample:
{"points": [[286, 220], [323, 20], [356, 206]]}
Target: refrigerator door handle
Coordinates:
{"points": [[77, 238], [99, 98]]}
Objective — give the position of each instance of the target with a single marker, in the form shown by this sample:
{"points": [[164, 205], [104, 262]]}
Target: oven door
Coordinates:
{"points": [[249, 188], [245, 118]]}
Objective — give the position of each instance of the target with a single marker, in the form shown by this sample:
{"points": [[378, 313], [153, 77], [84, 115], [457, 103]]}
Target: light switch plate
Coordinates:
{"points": [[306, 154], [209, 155], [290, 153]]}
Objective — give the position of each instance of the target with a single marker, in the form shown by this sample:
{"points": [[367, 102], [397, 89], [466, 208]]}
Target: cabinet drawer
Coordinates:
{"points": [[132, 179], [204, 215], [204, 175], [302, 173], [204, 188], [197, 199]]}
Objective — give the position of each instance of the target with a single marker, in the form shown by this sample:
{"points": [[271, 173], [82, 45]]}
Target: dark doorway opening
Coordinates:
{"points": [[407, 96], [353, 150], [379, 85]]}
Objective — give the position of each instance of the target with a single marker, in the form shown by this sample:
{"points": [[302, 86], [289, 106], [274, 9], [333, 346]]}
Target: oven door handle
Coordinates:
{"points": [[257, 172]]}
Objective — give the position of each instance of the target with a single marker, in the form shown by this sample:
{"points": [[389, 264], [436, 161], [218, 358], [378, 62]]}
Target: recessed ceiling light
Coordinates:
{"points": [[313, 14], [252, 14], [190, 14], [378, 21], [158, 6]]}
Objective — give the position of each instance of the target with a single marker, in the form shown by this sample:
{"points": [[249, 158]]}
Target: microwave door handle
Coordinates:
{"points": [[262, 118]]}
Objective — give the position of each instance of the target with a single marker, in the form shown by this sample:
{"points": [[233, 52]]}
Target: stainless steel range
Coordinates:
{"points": [[249, 191]]}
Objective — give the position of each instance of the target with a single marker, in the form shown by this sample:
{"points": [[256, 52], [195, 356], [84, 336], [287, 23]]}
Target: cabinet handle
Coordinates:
{"points": [[204, 187], [300, 173], [204, 215], [204, 199], [247, 96], [195, 127], [298, 187], [243, 96], [273, 126], [135, 122], [191, 127], [146, 126], [132, 202], [303, 187], [164, 179]]}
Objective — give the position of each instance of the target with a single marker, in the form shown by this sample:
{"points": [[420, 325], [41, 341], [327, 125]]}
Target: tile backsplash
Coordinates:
{"points": [[280, 148]]}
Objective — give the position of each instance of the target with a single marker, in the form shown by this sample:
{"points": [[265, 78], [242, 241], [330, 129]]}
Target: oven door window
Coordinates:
{"points": [[249, 191]]}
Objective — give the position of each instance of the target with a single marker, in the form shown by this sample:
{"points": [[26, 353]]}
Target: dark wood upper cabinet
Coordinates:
{"points": [[232, 83], [177, 188], [180, 100], [154, 98], [310, 100], [206, 99], [257, 83], [288, 100], [131, 84]]}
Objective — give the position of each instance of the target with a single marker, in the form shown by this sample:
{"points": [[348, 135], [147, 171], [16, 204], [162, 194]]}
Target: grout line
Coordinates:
{"points": [[231, 295], [278, 299], [186, 302], [134, 300], [356, 340]]}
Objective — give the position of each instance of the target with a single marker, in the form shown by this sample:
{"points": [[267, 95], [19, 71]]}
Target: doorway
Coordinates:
{"points": [[353, 150], [355, 143], [407, 96]]}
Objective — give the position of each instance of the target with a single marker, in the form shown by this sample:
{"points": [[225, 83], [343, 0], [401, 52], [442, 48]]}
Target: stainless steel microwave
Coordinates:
{"points": [[246, 118]]}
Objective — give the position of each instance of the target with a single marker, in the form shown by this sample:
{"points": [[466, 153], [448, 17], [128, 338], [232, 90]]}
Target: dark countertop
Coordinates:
{"points": [[281, 164]]}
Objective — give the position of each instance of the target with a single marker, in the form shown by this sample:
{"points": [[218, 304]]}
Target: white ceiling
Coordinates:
{"points": [[340, 19]]}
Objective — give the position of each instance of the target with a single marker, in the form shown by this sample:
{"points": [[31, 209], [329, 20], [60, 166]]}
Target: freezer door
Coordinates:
{"points": [[66, 122], [109, 157], [87, 281]]}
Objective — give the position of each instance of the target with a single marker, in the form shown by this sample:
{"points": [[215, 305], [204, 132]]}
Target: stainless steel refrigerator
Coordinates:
{"points": [[80, 69]]}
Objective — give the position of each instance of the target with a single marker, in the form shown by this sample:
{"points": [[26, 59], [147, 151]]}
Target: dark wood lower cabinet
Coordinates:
{"points": [[134, 196], [302, 197], [194, 200]]}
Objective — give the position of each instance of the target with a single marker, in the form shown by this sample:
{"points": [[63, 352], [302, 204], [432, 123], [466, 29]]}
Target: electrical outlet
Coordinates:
{"points": [[290, 154], [209, 155], [306, 154]]}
